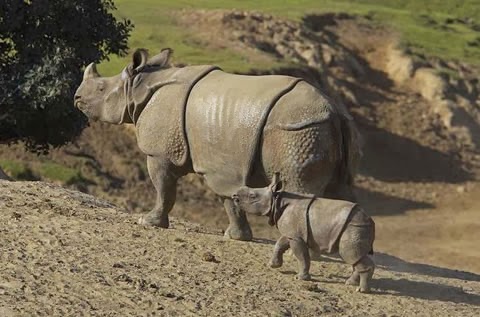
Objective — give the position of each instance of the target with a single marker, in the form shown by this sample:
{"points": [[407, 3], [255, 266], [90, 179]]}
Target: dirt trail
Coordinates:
{"points": [[68, 253]]}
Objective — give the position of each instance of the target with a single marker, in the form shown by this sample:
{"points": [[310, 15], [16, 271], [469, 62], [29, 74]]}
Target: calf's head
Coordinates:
{"points": [[104, 98], [256, 201]]}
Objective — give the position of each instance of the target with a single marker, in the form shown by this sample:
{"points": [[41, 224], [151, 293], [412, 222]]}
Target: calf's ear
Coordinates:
{"points": [[235, 199], [276, 183]]}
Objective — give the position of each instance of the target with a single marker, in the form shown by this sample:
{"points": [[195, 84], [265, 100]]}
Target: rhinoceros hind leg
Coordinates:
{"points": [[238, 229], [365, 268], [354, 279], [165, 181]]}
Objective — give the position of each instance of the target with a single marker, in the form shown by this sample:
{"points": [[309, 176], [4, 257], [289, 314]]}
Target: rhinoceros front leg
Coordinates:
{"points": [[238, 229], [165, 181], [282, 245]]}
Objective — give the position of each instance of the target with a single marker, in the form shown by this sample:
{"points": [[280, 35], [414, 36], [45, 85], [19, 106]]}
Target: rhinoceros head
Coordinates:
{"points": [[257, 201], [104, 98]]}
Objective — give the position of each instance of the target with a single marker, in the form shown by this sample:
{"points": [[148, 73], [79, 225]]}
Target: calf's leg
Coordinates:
{"points": [[354, 279], [281, 246], [364, 268], [300, 250]]}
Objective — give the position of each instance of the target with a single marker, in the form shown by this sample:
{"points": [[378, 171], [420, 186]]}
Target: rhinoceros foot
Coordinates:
{"points": [[239, 233], [303, 277], [354, 279], [153, 219], [363, 289], [276, 263]]}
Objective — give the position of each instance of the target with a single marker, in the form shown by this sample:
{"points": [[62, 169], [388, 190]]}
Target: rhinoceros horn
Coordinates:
{"points": [[91, 71]]}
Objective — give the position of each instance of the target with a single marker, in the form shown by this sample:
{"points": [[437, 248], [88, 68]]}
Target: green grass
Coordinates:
{"points": [[57, 172], [155, 29], [17, 170]]}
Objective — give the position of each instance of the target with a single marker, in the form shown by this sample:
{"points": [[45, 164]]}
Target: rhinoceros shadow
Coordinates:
{"points": [[422, 289], [419, 289], [393, 263], [426, 290]]}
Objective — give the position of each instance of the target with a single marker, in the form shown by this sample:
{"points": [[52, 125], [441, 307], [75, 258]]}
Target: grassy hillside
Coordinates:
{"points": [[447, 29]]}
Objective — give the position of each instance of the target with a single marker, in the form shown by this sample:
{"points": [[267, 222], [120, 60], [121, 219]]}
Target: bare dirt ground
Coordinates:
{"points": [[68, 253]]}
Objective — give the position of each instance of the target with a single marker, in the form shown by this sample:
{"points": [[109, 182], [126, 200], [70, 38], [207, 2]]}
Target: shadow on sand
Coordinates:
{"points": [[392, 263], [423, 289], [426, 290]]}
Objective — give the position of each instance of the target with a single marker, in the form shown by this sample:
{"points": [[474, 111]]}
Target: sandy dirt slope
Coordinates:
{"points": [[417, 181], [65, 253]]}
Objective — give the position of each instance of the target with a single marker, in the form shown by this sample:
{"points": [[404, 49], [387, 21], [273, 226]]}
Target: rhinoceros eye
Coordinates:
{"points": [[101, 86], [252, 196]]}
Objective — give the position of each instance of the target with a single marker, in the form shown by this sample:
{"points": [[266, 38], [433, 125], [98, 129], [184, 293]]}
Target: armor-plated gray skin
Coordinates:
{"points": [[317, 224], [234, 130]]}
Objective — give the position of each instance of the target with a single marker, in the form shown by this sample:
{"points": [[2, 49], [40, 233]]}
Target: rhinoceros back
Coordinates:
{"points": [[225, 117]]}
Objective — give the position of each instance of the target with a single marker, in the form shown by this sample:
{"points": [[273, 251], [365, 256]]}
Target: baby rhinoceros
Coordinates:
{"points": [[321, 225]]}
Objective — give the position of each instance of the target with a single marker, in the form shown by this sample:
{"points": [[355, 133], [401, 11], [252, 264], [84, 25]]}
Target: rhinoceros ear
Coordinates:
{"points": [[162, 59], [139, 60]]}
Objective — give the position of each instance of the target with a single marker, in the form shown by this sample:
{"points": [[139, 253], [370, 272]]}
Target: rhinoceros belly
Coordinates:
{"points": [[224, 121]]}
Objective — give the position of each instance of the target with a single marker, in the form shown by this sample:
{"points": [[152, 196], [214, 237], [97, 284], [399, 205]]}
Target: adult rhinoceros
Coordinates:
{"points": [[234, 130]]}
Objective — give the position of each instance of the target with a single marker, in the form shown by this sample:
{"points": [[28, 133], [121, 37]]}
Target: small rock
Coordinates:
{"points": [[460, 189], [314, 288], [119, 265], [209, 257]]}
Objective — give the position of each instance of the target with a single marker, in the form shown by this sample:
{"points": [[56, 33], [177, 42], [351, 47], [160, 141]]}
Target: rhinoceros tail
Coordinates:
{"points": [[373, 236], [351, 150], [349, 142]]}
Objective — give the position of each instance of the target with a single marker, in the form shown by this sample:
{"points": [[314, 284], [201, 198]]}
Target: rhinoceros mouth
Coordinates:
{"points": [[80, 105], [83, 107]]}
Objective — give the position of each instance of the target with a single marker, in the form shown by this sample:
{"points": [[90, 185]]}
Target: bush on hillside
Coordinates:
{"points": [[43, 46]]}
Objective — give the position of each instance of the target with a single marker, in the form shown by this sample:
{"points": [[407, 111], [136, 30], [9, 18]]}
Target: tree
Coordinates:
{"points": [[43, 46]]}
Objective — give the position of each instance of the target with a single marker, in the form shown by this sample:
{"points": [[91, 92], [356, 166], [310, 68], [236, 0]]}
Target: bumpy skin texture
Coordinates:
{"points": [[321, 225], [234, 130]]}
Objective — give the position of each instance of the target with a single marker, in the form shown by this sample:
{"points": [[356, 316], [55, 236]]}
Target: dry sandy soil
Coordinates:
{"points": [[68, 253]]}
